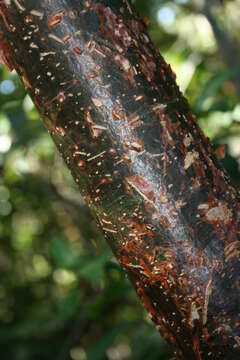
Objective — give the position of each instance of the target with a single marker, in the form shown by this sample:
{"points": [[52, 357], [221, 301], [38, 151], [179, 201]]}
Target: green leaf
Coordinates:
{"points": [[68, 305], [211, 87], [93, 269], [62, 253]]}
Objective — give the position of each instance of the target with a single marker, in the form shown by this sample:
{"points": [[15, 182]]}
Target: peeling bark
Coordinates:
{"points": [[147, 171]]}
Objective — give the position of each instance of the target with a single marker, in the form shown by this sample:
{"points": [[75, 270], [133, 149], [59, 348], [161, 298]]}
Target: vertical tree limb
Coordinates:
{"points": [[150, 176], [226, 43]]}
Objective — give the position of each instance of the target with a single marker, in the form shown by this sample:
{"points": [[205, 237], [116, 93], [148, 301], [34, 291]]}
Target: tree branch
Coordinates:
{"points": [[150, 176], [226, 44]]}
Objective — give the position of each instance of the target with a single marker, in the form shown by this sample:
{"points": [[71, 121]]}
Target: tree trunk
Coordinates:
{"points": [[148, 173]]}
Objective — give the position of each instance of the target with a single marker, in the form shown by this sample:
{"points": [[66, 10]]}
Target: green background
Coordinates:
{"points": [[62, 294]]}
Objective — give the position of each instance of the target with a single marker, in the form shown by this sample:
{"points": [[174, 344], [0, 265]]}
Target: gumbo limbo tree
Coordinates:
{"points": [[150, 176]]}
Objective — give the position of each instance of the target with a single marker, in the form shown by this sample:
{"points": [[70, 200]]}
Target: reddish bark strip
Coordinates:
{"points": [[150, 176]]}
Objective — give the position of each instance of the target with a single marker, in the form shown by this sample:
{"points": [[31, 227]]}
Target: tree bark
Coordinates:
{"points": [[147, 171]]}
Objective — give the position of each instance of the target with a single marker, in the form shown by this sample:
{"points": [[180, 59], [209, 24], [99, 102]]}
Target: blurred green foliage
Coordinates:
{"points": [[62, 294]]}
